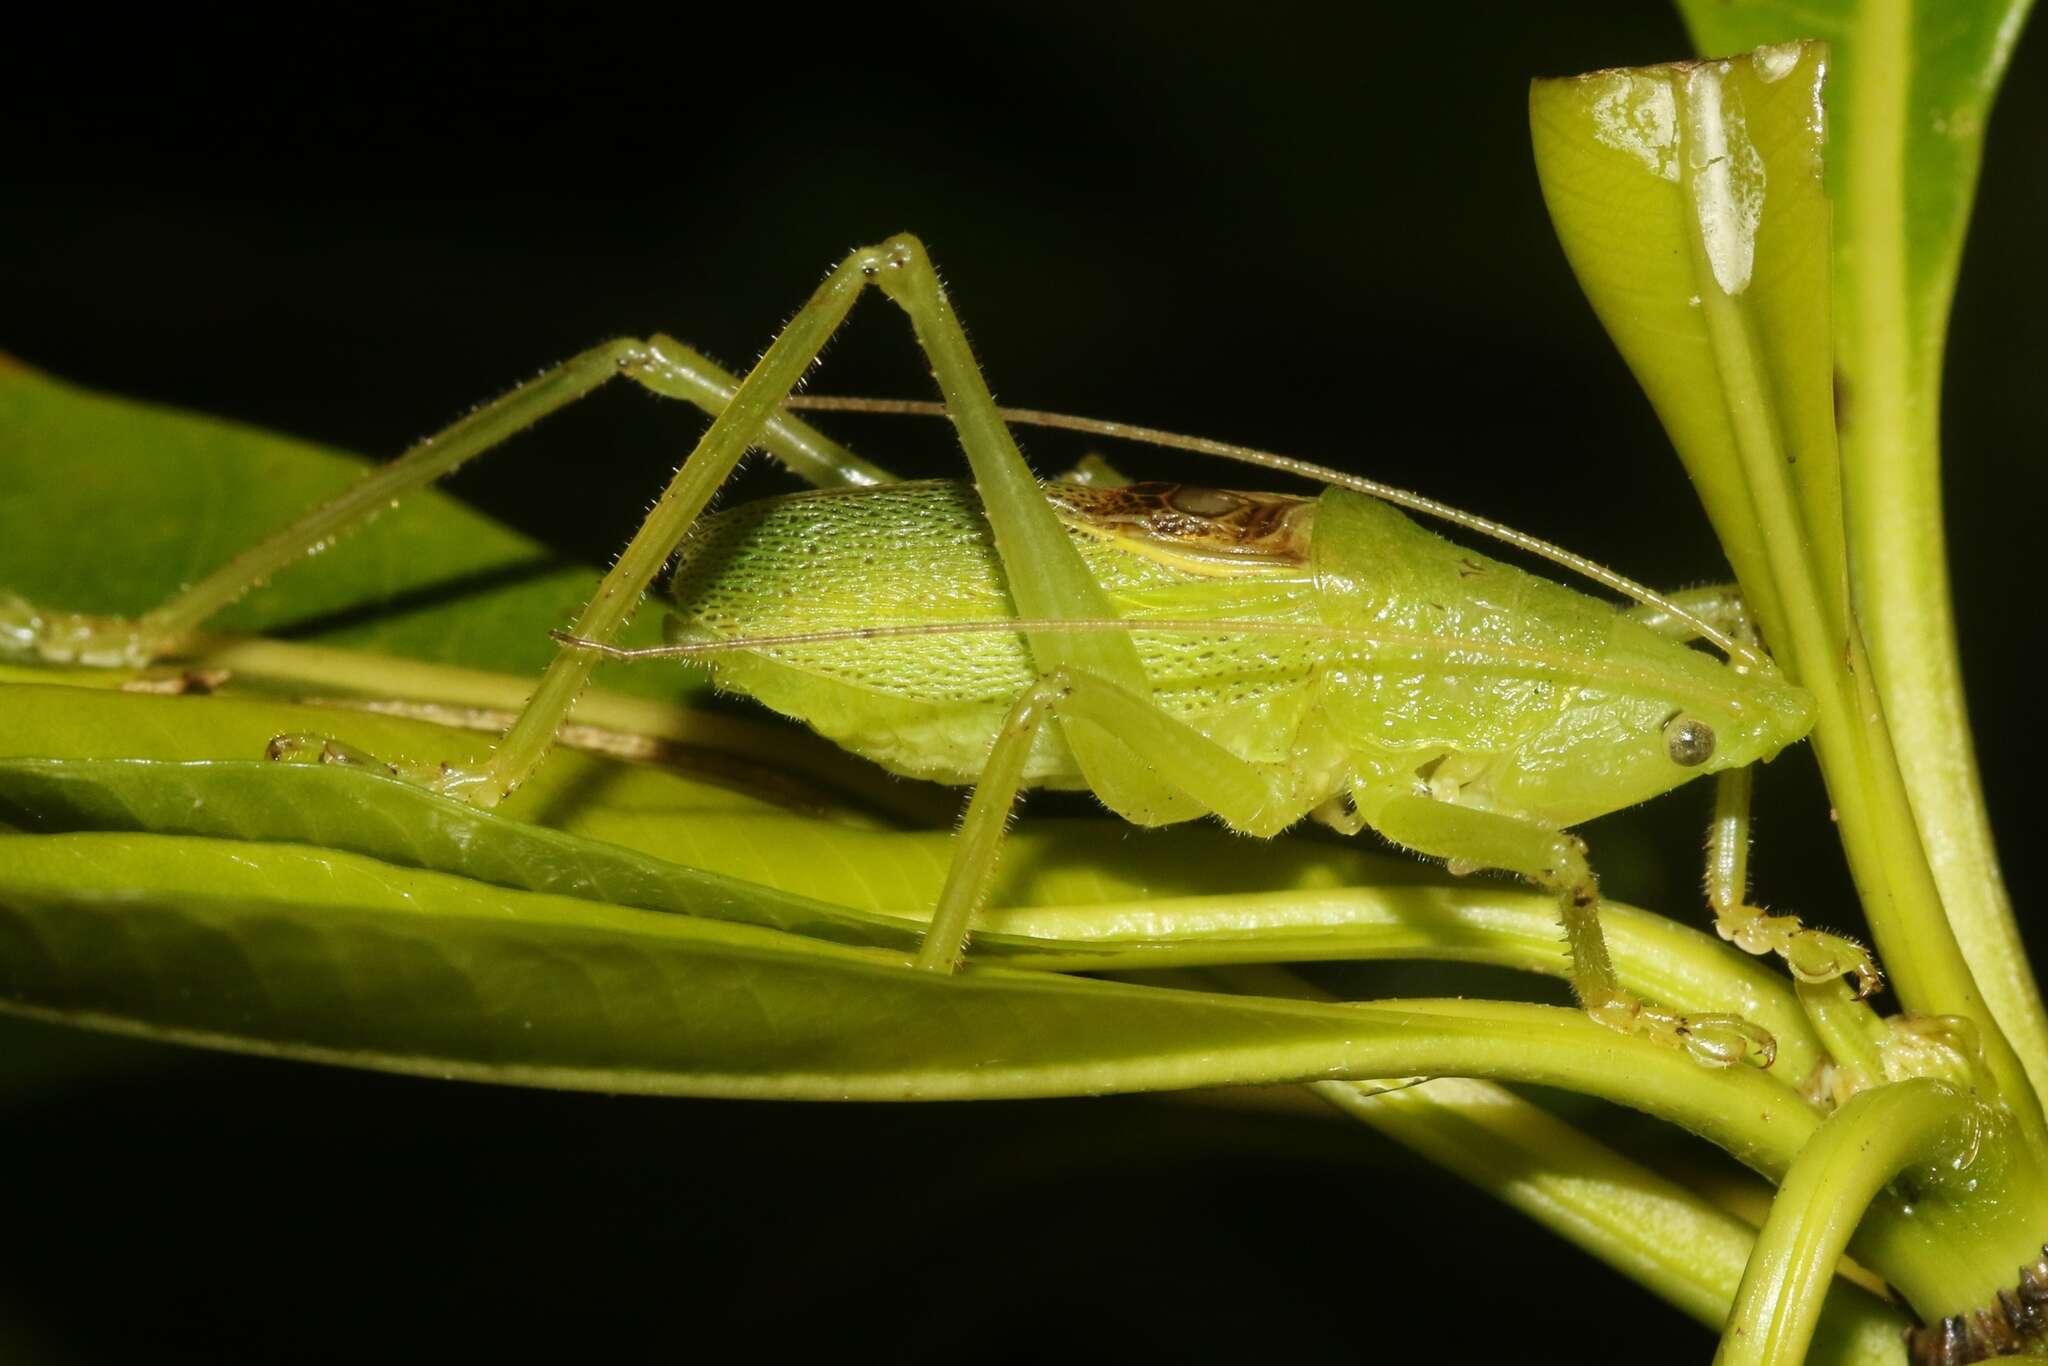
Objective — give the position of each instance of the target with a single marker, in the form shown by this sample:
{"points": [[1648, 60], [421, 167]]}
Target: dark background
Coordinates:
{"points": [[1312, 228]]}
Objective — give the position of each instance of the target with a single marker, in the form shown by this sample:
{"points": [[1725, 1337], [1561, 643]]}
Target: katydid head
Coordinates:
{"points": [[1759, 718], [1609, 750]]}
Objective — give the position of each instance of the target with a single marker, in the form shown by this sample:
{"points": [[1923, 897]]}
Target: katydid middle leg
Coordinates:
{"points": [[1255, 798], [1556, 860]]}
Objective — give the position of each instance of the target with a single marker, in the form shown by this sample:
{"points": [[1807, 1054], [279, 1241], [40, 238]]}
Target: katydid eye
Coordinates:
{"points": [[1690, 743]]}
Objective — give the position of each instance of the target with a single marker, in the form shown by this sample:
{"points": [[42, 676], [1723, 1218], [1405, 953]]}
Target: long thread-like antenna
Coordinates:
{"points": [[1287, 464]]}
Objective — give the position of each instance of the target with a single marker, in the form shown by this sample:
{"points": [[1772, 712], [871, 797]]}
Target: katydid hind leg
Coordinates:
{"points": [[132, 642], [1259, 799], [1556, 861], [1812, 955], [1047, 577], [1025, 526]]}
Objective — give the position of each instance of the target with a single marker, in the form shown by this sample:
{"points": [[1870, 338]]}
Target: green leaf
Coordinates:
{"points": [[1070, 893], [202, 940], [1688, 199], [1909, 97], [341, 814], [332, 914], [205, 746]]}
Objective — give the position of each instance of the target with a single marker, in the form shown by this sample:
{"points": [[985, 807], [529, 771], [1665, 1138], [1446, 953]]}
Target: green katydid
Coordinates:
{"points": [[1178, 651]]}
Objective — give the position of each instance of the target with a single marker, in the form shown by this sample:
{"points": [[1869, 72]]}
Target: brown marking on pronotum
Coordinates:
{"points": [[2015, 1321], [1206, 530], [1469, 568]]}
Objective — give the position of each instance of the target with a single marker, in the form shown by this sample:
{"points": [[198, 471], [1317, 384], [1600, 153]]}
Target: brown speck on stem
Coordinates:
{"points": [[2014, 1322]]}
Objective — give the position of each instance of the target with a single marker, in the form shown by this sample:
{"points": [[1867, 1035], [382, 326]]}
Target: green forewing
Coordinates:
{"points": [[1437, 649]]}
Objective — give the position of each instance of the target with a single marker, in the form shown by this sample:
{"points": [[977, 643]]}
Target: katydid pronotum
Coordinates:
{"points": [[1179, 651]]}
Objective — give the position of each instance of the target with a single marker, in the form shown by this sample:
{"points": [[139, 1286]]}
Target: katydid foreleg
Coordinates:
{"points": [[1812, 955]]}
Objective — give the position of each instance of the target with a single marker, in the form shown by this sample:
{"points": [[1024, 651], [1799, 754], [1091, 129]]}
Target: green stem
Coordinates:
{"points": [[1471, 922], [1891, 426], [1848, 1029], [1878, 831], [1740, 1109], [1861, 1147]]}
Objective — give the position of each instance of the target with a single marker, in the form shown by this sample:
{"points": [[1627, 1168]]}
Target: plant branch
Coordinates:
{"points": [[1821, 1201]]}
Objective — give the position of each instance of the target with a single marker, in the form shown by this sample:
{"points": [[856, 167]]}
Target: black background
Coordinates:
{"points": [[1313, 228]]}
